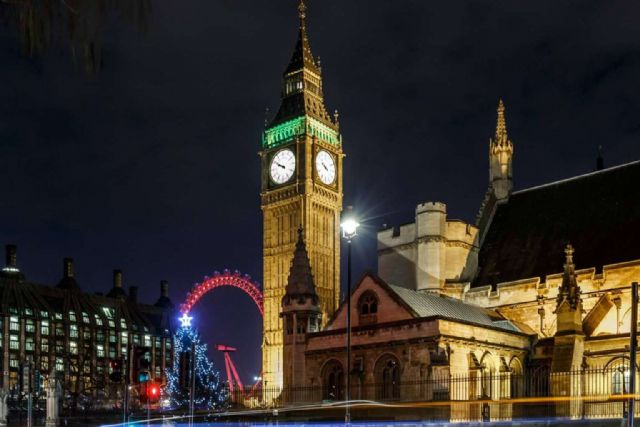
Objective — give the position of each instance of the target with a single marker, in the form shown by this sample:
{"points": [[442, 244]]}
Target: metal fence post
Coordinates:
{"points": [[633, 344]]}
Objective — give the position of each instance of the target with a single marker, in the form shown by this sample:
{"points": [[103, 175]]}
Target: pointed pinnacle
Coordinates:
{"points": [[302, 13], [569, 254], [501, 125]]}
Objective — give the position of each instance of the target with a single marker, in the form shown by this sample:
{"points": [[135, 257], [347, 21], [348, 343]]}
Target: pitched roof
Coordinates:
{"points": [[429, 304], [302, 56], [599, 213], [307, 99]]}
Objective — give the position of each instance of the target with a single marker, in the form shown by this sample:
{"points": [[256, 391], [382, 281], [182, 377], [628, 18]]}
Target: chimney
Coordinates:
{"points": [[117, 279], [164, 289], [68, 268], [133, 294], [12, 258]]}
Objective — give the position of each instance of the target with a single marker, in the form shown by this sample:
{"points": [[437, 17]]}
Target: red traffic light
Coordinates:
{"points": [[150, 393]]}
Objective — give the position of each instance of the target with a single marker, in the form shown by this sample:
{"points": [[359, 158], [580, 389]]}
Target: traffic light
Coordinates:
{"points": [[153, 392], [116, 370], [37, 382], [142, 364], [149, 392]]}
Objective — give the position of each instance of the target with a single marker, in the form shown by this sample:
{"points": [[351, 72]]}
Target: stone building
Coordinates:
{"points": [[301, 169], [533, 299], [74, 334]]}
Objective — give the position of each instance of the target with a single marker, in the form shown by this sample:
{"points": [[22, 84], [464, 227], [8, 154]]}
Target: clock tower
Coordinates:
{"points": [[301, 160]]}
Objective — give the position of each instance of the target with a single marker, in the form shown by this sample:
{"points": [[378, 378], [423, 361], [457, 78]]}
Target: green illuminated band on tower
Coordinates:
{"points": [[288, 130]]}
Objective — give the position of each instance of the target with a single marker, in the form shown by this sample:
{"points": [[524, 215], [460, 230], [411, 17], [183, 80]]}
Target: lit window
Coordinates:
{"points": [[86, 334], [44, 364], [72, 316], [44, 314], [124, 338], [136, 339], [100, 350], [14, 342], [30, 326], [58, 316], [108, 312], [85, 317], [73, 331], [73, 347], [59, 347], [147, 341], [28, 312], [112, 324], [13, 362], [59, 364], [44, 345], [29, 344], [112, 352], [112, 337], [123, 324], [98, 320], [14, 323], [99, 336], [620, 381], [44, 327]]}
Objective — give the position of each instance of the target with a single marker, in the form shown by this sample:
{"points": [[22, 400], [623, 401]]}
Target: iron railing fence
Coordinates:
{"points": [[478, 395]]}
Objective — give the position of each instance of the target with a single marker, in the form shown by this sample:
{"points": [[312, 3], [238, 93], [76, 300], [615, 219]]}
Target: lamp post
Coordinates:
{"points": [[349, 231]]}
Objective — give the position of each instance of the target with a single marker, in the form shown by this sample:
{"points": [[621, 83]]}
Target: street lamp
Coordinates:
{"points": [[349, 231]]}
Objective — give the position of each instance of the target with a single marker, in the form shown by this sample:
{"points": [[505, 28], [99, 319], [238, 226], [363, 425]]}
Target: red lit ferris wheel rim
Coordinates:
{"points": [[226, 278]]}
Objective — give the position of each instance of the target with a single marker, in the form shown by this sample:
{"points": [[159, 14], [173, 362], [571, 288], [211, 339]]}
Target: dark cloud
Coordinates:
{"points": [[150, 164]]}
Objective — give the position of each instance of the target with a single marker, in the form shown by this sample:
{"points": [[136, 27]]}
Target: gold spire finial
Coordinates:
{"points": [[568, 250], [501, 126], [302, 13]]}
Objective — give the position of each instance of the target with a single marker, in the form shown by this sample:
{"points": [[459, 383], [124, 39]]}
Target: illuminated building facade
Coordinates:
{"points": [[74, 335], [301, 187], [531, 300]]}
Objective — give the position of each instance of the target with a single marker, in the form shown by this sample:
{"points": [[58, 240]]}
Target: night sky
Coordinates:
{"points": [[150, 163]]}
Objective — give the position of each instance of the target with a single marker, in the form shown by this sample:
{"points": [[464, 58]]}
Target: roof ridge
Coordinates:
{"points": [[577, 177]]}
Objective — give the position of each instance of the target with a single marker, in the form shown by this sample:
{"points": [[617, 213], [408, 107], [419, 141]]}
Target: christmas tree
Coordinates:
{"points": [[210, 392]]}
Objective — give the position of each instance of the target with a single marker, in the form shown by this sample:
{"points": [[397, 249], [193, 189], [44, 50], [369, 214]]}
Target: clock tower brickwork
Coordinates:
{"points": [[310, 197]]}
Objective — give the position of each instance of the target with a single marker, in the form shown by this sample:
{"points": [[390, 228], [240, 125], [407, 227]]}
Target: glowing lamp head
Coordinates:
{"points": [[349, 228], [185, 320]]}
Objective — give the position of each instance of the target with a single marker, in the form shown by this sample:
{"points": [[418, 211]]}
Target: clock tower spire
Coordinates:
{"points": [[301, 160]]}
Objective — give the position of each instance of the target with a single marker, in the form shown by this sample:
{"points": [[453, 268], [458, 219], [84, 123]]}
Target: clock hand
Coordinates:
{"points": [[283, 167], [325, 167]]}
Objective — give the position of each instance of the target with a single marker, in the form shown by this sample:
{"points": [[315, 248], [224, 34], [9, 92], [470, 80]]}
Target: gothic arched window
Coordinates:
{"points": [[333, 381], [387, 373], [368, 307]]}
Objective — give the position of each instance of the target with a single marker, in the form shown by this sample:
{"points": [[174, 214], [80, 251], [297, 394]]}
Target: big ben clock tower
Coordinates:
{"points": [[301, 187]]}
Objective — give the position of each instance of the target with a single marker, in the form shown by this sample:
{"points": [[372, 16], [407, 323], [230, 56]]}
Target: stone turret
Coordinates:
{"points": [[500, 158], [431, 224], [568, 346], [300, 313]]}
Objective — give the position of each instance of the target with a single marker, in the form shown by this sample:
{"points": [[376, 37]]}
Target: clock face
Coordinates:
{"points": [[283, 164], [325, 167]]}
